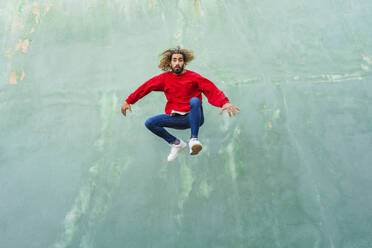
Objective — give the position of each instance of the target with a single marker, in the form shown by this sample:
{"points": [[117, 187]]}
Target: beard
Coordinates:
{"points": [[178, 70]]}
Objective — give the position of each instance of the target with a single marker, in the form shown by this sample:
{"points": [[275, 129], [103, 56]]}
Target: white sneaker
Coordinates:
{"points": [[195, 146], [175, 150]]}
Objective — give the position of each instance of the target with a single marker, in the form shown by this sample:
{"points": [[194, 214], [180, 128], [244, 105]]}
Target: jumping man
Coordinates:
{"points": [[183, 110]]}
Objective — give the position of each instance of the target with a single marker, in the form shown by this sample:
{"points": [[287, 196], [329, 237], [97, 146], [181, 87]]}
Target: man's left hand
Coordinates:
{"points": [[230, 109]]}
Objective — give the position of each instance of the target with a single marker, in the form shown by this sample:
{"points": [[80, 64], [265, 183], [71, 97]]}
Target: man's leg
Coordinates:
{"points": [[156, 125], [196, 119], [196, 116]]}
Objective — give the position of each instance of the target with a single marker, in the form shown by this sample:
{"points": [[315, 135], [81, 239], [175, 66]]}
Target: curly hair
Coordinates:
{"points": [[166, 57]]}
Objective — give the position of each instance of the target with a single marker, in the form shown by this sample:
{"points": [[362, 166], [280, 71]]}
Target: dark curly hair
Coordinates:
{"points": [[166, 57]]}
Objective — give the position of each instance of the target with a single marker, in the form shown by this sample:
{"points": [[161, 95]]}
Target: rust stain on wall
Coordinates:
{"points": [[151, 3], [25, 45], [22, 44], [22, 75], [18, 45], [36, 12], [13, 77], [16, 23], [196, 7], [47, 6]]}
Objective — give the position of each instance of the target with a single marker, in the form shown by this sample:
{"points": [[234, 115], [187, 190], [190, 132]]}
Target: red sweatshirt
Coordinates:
{"points": [[179, 89]]}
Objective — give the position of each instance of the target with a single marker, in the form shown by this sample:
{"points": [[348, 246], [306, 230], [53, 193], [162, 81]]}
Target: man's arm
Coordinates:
{"points": [[216, 97], [154, 84]]}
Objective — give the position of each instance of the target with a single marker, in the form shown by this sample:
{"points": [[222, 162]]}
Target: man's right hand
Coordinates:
{"points": [[124, 108]]}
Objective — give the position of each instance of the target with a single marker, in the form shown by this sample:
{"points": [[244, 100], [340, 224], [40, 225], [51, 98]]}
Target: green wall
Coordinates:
{"points": [[293, 169]]}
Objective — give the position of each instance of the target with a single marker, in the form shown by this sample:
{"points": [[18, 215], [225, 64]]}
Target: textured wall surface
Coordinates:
{"points": [[293, 169]]}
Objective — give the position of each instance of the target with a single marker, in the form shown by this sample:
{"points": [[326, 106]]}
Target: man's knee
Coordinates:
{"points": [[194, 102], [149, 123]]}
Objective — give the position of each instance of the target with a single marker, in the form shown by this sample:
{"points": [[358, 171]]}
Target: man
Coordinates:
{"points": [[183, 110]]}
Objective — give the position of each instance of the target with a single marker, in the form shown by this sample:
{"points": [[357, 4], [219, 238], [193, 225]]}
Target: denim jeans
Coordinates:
{"points": [[194, 119]]}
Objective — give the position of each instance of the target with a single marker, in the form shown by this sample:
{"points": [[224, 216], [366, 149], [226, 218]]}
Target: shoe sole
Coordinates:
{"points": [[195, 149]]}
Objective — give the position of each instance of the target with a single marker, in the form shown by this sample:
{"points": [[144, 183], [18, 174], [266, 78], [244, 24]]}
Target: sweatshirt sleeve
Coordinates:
{"points": [[154, 84], [215, 96]]}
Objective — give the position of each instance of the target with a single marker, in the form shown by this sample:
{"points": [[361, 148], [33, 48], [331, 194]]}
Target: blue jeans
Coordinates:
{"points": [[194, 119]]}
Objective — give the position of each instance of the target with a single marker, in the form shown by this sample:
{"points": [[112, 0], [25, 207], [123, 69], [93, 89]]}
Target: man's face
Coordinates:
{"points": [[177, 63]]}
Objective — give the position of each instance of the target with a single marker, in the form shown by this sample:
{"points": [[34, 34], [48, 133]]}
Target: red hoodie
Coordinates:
{"points": [[179, 89]]}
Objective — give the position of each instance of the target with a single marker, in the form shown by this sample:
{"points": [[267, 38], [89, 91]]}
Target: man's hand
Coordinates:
{"points": [[124, 108], [230, 109]]}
